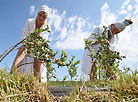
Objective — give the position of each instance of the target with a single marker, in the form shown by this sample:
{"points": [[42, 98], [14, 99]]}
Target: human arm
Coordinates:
{"points": [[98, 31]]}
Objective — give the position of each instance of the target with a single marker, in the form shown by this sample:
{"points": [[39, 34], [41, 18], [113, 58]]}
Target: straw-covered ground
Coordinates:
{"points": [[18, 87]]}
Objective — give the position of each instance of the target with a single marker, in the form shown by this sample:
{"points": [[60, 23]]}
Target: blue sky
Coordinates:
{"points": [[71, 21]]}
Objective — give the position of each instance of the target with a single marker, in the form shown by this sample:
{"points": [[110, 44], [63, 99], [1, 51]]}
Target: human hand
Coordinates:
{"points": [[106, 42]]}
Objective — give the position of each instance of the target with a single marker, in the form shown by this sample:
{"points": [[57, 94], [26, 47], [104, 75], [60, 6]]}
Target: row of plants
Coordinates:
{"points": [[22, 87], [107, 60]]}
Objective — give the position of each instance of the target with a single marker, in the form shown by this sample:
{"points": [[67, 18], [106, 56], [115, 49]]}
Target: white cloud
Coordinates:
{"points": [[69, 32], [129, 7], [63, 33], [32, 10], [74, 36], [72, 19], [136, 9], [56, 19], [73, 42], [107, 17], [125, 4], [123, 12], [125, 8], [81, 23]]}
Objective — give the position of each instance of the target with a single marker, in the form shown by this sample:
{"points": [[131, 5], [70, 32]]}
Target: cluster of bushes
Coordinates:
{"points": [[22, 87]]}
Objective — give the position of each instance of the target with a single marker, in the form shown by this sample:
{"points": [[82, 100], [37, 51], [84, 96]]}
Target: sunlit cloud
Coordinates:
{"points": [[129, 7], [126, 2], [32, 10], [68, 32], [107, 17], [123, 12]]}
